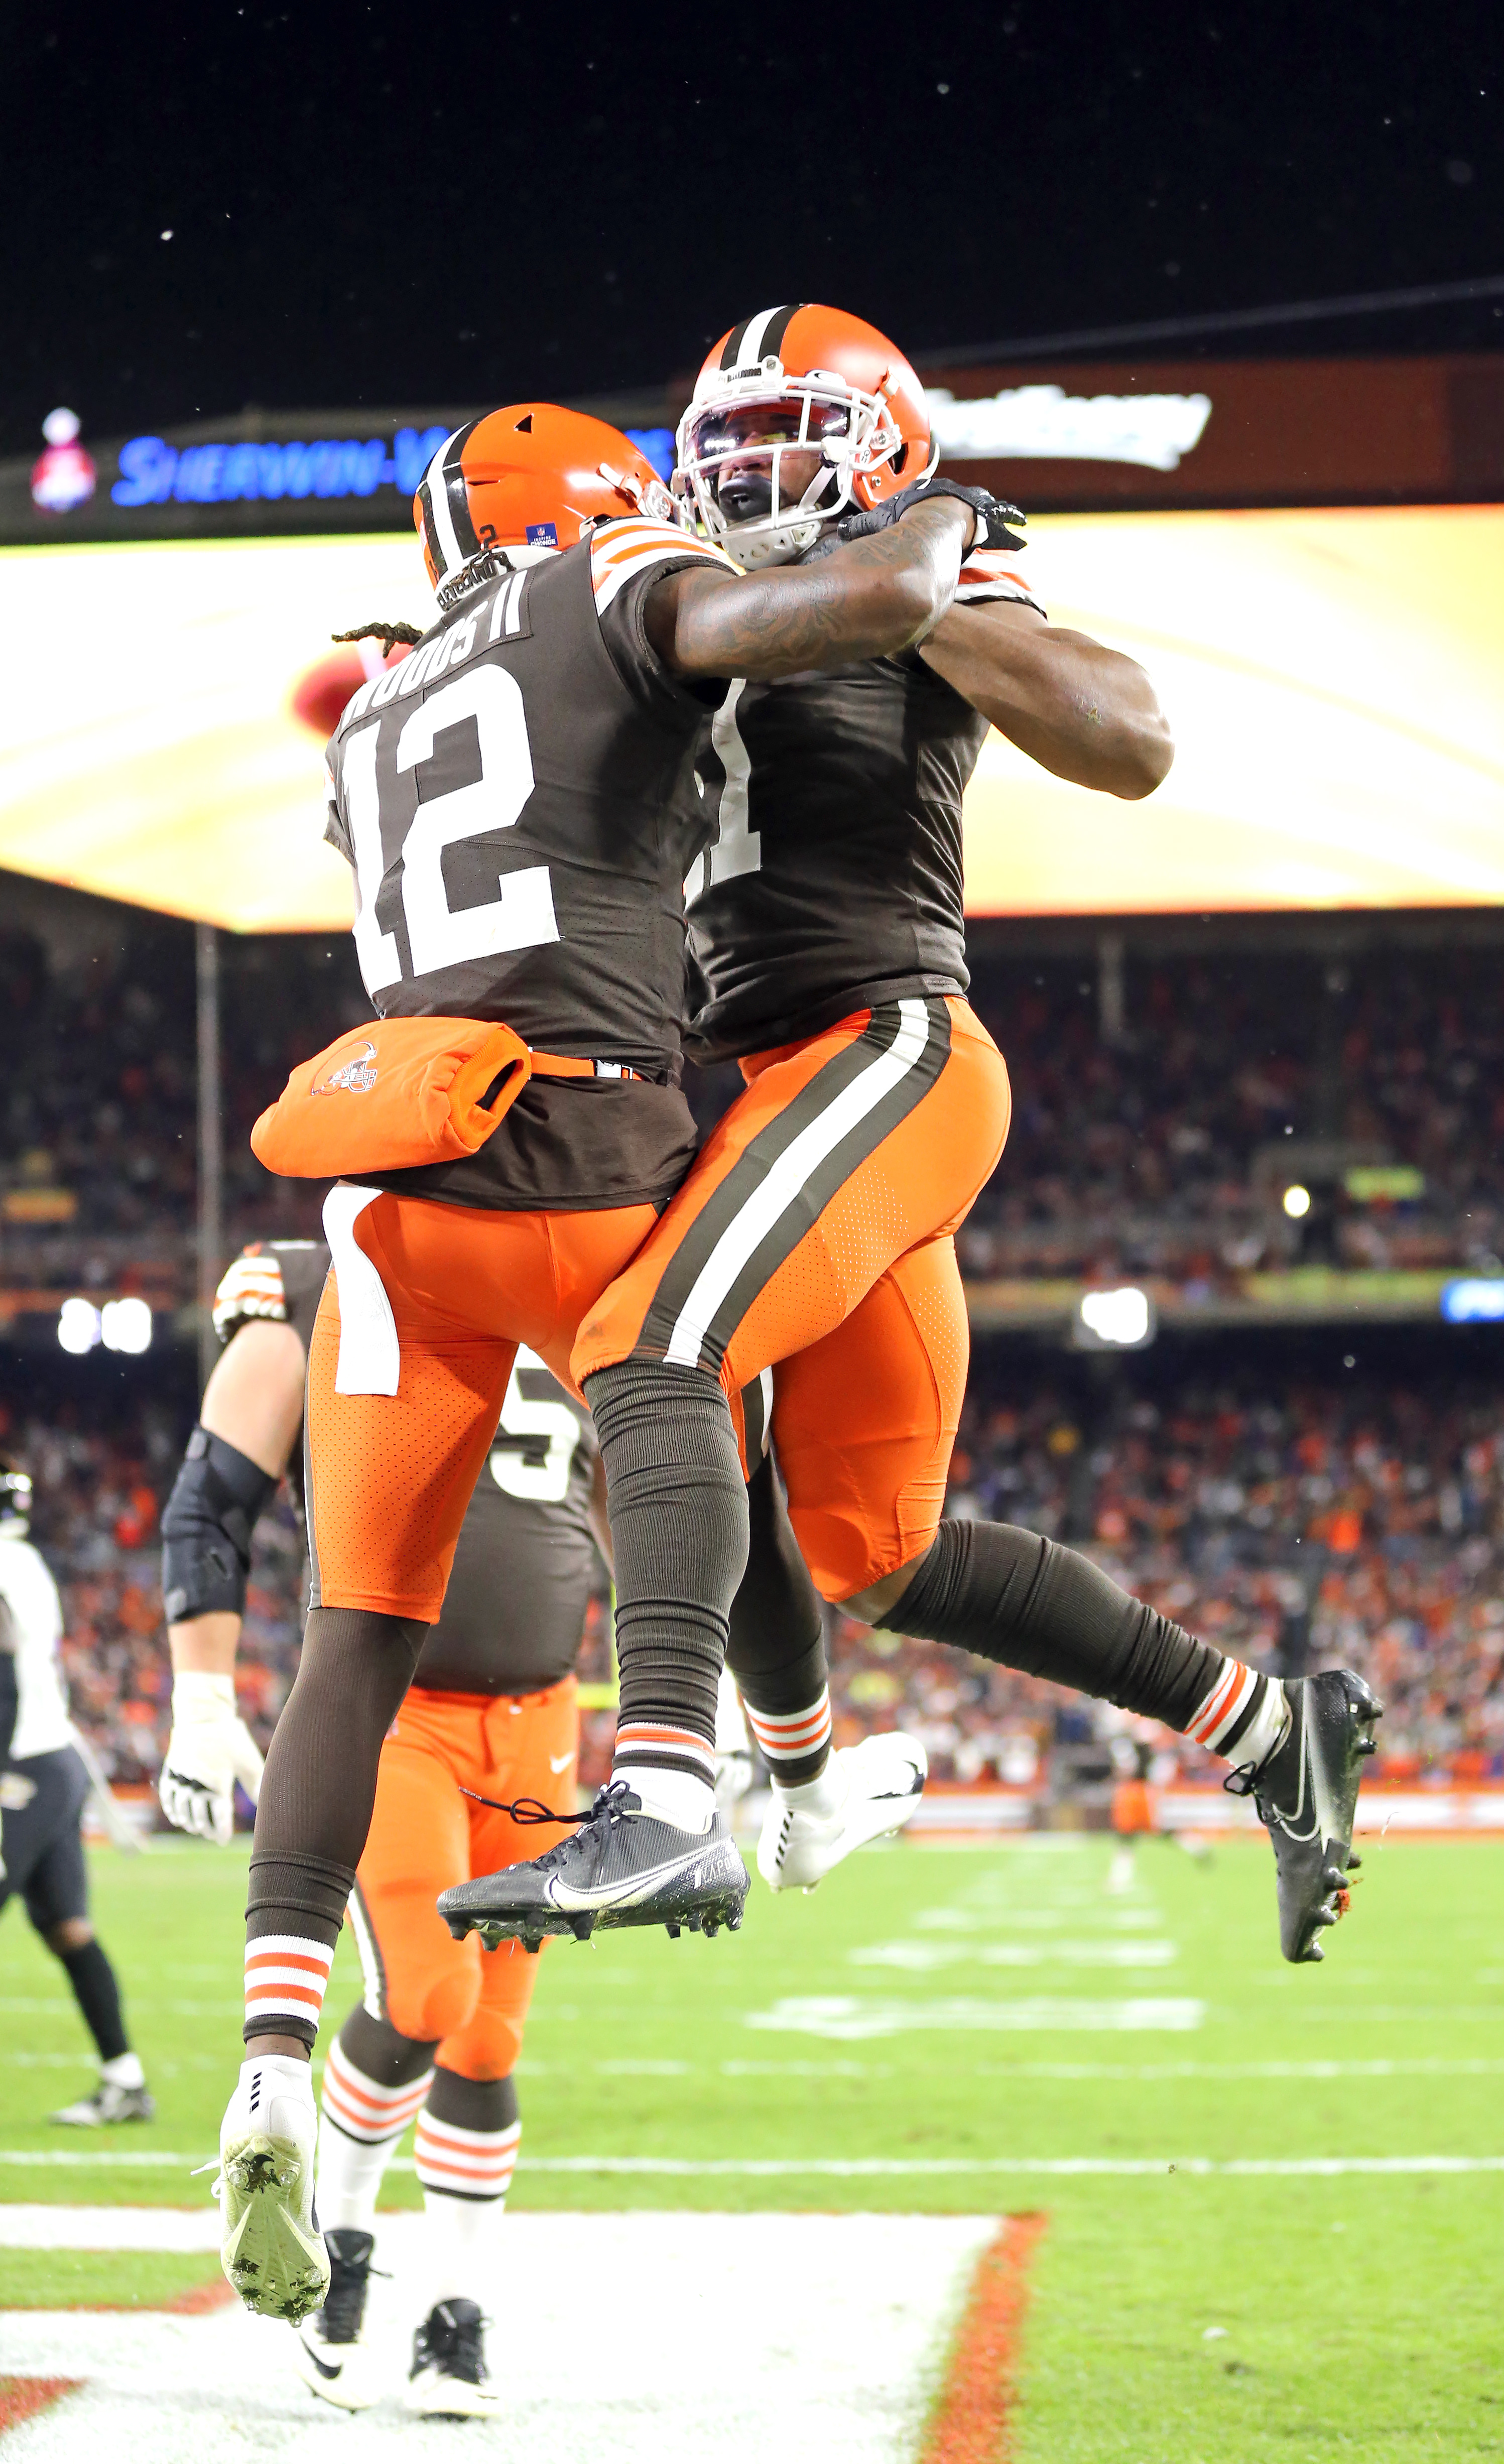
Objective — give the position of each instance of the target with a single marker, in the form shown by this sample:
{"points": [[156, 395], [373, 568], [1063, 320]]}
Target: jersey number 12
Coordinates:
{"points": [[438, 936]]}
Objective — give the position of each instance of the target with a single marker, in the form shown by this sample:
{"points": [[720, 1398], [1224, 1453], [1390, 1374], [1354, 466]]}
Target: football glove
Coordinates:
{"points": [[252, 1287], [993, 515], [210, 1748]]}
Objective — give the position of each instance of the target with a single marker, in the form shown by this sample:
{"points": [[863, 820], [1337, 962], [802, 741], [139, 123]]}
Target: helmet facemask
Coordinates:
{"points": [[769, 461]]}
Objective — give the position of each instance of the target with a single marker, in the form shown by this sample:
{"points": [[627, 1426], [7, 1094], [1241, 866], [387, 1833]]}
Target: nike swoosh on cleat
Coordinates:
{"points": [[617, 1894], [325, 2369]]}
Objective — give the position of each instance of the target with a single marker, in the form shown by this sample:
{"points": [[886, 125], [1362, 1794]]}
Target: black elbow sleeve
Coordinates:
{"points": [[206, 1526]]}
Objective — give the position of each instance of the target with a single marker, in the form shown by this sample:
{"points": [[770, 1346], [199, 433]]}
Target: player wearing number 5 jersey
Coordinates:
{"points": [[491, 1709], [506, 797]]}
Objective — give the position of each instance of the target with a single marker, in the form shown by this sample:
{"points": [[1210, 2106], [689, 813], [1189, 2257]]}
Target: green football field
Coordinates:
{"points": [[987, 2031]]}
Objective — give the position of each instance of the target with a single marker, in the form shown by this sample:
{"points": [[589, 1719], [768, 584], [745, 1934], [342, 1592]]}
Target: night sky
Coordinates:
{"points": [[384, 206]]}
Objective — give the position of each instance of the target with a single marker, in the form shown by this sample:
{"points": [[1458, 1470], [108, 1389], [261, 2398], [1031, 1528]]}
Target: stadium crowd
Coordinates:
{"points": [[1161, 1143], [1153, 1142], [1360, 1523]]}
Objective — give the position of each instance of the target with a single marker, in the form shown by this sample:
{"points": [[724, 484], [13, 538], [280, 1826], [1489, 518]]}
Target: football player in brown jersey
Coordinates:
{"points": [[816, 1229], [506, 800], [491, 1714]]}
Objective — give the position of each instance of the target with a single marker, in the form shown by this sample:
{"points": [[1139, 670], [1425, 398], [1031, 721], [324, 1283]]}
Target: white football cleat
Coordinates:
{"points": [[271, 2248], [882, 1781], [735, 1763], [448, 2379]]}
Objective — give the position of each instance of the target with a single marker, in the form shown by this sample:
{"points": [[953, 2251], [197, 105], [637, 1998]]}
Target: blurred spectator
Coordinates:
{"points": [[1161, 1152], [1364, 1519], [1301, 1524], [1156, 1149]]}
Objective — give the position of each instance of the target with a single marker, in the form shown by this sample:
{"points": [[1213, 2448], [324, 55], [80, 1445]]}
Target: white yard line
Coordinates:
{"points": [[861, 2169], [694, 2338], [850, 2019]]}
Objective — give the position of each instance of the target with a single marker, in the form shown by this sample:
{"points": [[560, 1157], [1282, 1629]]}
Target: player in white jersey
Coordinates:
{"points": [[44, 1784]]}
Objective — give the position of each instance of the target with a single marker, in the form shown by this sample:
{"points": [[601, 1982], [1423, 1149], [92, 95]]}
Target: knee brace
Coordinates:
{"points": [[206, 1526]]}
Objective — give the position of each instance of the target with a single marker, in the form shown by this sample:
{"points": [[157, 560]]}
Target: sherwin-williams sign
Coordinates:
{"points": [[1072, 436]]}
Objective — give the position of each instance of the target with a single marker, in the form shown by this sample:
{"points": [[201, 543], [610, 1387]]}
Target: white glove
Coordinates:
{"points": [[251, 1286], [210, 1748]]}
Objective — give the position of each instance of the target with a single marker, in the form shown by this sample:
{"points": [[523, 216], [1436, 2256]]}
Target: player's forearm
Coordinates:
{"points": [[1084, 712], [254, 1396], [206, 1645], [864, 600]]}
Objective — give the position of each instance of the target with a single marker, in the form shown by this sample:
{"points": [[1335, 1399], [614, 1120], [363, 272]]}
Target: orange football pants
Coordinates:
{"points": [[1136, 1808], [403, 1401], [424, 1835], [815, 1233]]}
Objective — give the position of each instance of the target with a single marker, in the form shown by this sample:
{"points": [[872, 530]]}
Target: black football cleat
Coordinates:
{"points": [[448, 2381], [622, 1867], [1306, 1793], [331, 2355]]}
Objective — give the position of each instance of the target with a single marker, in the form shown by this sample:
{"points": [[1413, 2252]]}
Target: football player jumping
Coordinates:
{"points": [[816, 1229], [491, 1713], [506, 799]]}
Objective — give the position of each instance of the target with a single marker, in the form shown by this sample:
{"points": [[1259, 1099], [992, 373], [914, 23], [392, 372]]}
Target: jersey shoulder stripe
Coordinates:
{"points": [[627, 548], [993, 573]]}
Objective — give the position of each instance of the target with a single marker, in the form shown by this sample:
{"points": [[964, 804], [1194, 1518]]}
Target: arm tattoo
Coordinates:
{"points": [[860, 601]]}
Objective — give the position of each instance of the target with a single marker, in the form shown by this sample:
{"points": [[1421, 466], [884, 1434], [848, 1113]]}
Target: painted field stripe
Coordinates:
{"points": [[859, 2168], [972, 2420], [23, 2399]]}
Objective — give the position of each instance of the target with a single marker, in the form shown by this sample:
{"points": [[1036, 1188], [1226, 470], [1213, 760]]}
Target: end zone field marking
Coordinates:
{"points": [[22, 2399], [971, 2420], [842, 2375]]}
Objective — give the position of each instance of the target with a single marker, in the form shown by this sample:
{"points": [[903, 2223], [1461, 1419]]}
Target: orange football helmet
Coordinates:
{"points": [[799, 413], [525, 482]]}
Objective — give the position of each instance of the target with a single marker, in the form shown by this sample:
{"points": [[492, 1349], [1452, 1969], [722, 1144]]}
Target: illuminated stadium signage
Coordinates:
{"points": [[1043, 423], [154, 472], [1474, 1300], [1073, 437]]}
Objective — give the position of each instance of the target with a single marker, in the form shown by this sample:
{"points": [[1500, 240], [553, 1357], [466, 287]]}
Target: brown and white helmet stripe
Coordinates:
{"points": [[758, 337], [446, 524]]}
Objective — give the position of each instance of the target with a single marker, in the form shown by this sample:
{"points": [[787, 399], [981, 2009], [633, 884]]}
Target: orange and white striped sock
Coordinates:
{"points": [[466, 2175], [363, 2123], [1241, 1715], [287, 1975], [465, 2164], [795, 1744]]}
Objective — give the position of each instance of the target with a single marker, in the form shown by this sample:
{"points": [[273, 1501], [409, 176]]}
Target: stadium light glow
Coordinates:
{"points": [[1122, 1320], [1296, 1202], [1360, 645], [1474, 1300], [125, 1325], [79, 1326]]}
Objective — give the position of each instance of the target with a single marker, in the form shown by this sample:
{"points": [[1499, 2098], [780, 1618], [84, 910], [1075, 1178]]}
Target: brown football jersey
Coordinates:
{"points": [[506, 797], [835, 879]]}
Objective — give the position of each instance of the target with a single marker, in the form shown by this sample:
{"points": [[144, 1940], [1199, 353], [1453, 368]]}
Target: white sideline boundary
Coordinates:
{"points": [[832, 2168], [694, 2339]]}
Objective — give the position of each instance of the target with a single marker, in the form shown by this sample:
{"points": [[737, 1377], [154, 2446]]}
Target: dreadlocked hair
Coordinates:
{"points": [[385, 634]]}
